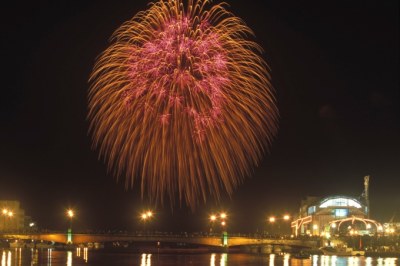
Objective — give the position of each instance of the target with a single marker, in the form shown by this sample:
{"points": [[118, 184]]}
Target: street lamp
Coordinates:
{"points": [[6, 213], [213, 218], [274, 219], [220, 218], [146, 216], [70, 215]]}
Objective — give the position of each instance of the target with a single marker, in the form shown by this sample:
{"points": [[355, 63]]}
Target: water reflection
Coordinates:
{"points": [[315, 260], [223, 261], [387, 261], [212, 259], [85, 254], [146, 260], [49, 256], [6, 258], [34, 256], [286, 259], [69, 258], [271, 259]]}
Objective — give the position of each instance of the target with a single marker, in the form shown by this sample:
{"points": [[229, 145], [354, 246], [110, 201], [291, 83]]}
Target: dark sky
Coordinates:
{"points": [[335, 69]]}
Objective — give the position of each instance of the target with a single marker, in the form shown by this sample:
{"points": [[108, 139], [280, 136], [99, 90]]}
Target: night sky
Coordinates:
{"points": [[335, 70]]}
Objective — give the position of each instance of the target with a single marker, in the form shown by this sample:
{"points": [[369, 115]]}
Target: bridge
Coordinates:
{"points": [[215, 241]]}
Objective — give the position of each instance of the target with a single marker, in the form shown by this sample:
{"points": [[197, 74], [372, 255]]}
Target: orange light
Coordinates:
{"points": [[223, 215], [213, 218], [272, 219], [70, 213], [223, 223], [286, 217]]}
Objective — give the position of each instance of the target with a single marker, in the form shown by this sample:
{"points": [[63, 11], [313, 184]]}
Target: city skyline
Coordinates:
{"points": [[335, 71]]}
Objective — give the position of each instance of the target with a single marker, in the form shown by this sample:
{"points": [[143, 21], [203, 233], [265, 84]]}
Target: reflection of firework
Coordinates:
{"points": [[182, 101]]}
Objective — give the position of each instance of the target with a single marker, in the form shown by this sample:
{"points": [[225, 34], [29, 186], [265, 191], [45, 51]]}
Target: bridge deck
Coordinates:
{"points": [[200, 240]]}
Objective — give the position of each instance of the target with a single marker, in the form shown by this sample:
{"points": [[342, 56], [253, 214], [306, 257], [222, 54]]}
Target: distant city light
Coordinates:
{"points": [[223, 215], [213, 218], [272, 219], [286, 217]]}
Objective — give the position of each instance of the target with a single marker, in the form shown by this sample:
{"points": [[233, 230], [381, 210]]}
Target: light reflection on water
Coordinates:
{"points": [[146, 260], [49, 257]]}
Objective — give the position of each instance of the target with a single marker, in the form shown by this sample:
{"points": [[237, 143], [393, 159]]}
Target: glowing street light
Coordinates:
{"points": [[213, 218], [223, 223], [146, 215], [70, 215], [10, 214], [286, 217], [223, 215], [272, 219]]}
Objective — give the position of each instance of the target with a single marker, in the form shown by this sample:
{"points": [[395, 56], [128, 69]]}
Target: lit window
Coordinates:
{"points": [[311, 210], [341, 212], [340, 202]]}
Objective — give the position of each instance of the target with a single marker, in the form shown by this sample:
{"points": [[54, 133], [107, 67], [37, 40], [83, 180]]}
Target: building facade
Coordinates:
{"points": [[333, 215]]}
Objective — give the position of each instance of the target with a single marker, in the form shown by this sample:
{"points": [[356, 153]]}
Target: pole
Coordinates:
{"points": [[366, 194], [69, 232]]}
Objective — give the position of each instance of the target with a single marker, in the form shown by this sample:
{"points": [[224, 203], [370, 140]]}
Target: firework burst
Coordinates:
{"points": [[181, 101]]}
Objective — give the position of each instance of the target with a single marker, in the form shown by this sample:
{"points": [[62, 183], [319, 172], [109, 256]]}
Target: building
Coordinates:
{"points": [[339, 215], [12, 216]]}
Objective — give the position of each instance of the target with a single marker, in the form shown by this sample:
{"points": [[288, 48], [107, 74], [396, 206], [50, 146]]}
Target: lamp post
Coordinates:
{"points": [[223, 217], [145, 218], [272, 220], [7, 215], [213, 218], [70, 215], [4, 213]]}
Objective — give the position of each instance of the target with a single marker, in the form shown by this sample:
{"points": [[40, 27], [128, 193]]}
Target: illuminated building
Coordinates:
{"points": [[339, 215]]}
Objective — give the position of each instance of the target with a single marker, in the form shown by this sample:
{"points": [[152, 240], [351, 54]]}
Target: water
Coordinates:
{"points": [[85, 257]]}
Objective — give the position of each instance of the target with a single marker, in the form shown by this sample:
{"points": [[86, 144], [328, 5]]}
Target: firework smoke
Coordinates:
{"points": [[181, 102]]}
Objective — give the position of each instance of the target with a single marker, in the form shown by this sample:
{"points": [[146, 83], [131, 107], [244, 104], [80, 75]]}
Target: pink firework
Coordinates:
{"points": [[181, 101]]}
